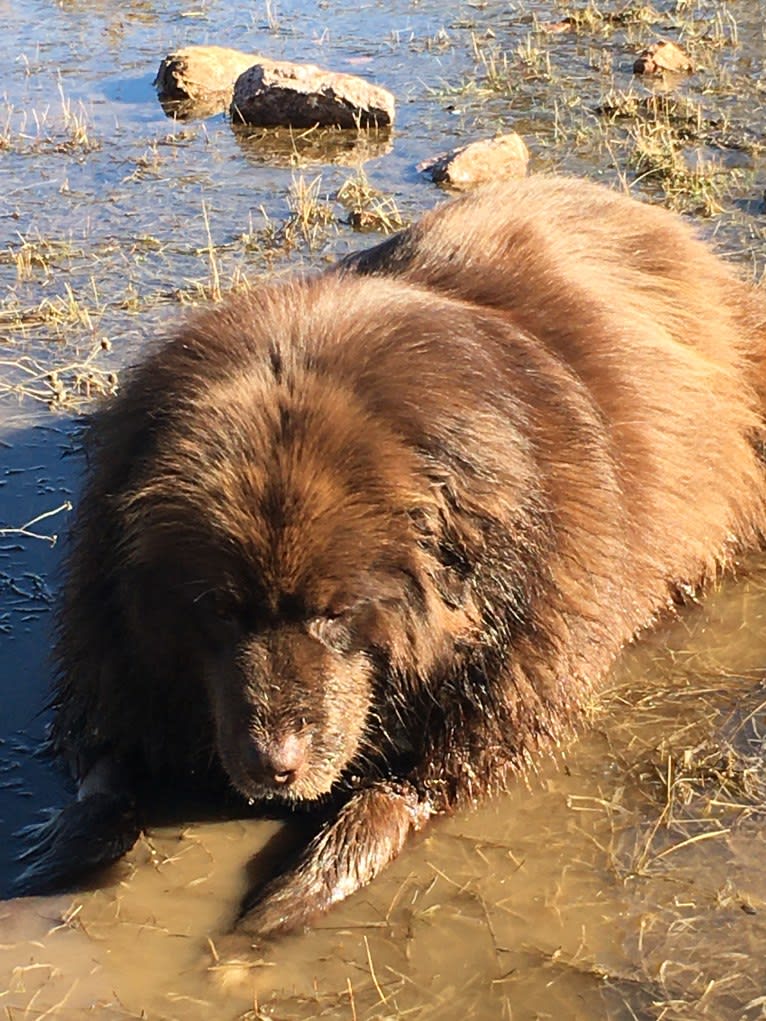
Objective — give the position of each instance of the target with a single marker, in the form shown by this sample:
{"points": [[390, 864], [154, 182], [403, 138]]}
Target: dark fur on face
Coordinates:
{"points": [[370, 538], [301, 558]]}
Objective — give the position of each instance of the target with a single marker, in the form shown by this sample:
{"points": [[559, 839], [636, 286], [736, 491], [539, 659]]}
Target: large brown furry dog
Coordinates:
{"points": [[366, 540]]}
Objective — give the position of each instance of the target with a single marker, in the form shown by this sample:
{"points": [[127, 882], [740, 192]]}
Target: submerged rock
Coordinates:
{"points": [[281, 147], [479, 162], [302, 95]]}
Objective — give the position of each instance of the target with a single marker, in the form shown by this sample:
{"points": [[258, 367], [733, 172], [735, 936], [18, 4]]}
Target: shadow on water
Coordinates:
{"points": [[131, 90], [37, 477]]}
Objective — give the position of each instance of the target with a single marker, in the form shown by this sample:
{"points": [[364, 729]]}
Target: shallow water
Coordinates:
{"points": [[627, 879]]}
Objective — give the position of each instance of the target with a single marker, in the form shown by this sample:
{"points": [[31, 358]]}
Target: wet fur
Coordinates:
{"points": [[411, 508]]}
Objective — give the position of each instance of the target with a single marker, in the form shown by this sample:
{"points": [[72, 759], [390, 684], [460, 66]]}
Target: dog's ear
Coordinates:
{"points": [[446, 560], [451, 587]]}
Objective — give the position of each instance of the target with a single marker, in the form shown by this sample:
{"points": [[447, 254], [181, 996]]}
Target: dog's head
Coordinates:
{"points": [[277, 528], [292, 521]]}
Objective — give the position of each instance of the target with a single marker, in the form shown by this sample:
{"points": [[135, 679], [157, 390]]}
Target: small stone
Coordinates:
{"points": [[302, 95], [479, 162], [663, 56]]}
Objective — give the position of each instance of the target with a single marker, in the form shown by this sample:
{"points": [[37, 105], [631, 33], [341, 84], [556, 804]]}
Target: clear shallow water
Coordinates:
{"points": [[552, 902]]}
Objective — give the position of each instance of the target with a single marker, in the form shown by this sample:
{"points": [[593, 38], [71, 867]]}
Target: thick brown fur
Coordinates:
{"points": [[368, 540]]}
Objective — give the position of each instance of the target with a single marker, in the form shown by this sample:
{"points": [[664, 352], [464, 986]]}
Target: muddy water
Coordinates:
{"points": [[627, 879]]}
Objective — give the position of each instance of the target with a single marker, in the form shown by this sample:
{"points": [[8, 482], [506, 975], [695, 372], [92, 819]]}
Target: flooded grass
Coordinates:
{"points": [[626, 880], [368, 208]]}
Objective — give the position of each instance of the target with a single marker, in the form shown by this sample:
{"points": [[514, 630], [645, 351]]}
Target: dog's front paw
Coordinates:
{"points": [[366, 834], [236, 962]]}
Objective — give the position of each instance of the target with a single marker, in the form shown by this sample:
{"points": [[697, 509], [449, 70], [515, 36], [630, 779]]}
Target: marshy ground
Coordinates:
{"points": [[628, 879]]}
